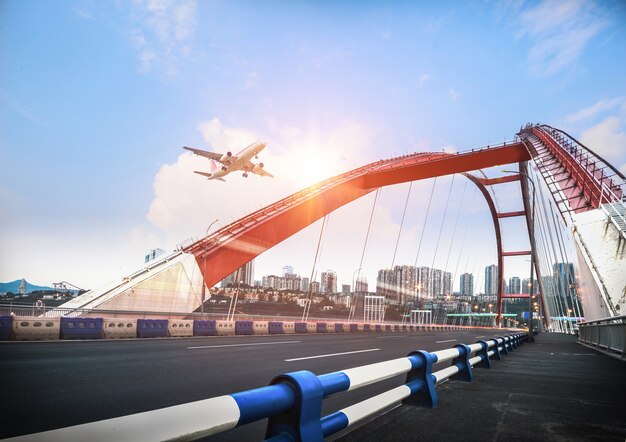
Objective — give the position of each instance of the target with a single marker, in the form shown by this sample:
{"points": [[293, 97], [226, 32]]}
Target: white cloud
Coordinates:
{"points": [[607, 139], [453, 94], [185, 203], [251, 80], [597, 108], [425, 77], [163, 32], [560, 32]]}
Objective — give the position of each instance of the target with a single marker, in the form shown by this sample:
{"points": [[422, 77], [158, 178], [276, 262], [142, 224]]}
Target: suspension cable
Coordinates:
{"points": [[309, 298], [369, 226], [419, 246]]}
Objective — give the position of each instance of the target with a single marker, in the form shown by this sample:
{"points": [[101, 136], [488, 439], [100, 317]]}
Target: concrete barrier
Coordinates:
{"points": [[152, 328], [276, 327], [204, 327], [260, 327], [6, 324], [180, 327], [300, 327], [289, 328], [225, 328], [81, 328], [243, 328], [36, 329], [378, 327], [360, 327], [354, 328], [322, 327], [311, 327], [396, 328], [368, 328], [119, 328], [388, 328], [337, 328], [347, 328]]}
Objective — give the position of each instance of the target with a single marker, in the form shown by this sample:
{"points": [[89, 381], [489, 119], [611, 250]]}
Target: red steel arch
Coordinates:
{"points": [[567, 165], [227, 249]]}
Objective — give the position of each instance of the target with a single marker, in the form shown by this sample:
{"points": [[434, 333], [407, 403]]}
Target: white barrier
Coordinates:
{"points": [[360, 327], [289, 327], [36, 329], [346, 328], [225, 328], [260, 327], [119, 328], [311, 327], [180, 327]]}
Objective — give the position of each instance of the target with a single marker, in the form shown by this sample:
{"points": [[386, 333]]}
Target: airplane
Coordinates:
{"points": [[223, 164]]}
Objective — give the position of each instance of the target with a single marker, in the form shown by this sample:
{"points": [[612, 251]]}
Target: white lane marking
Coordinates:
{"points": [[332, 354], [389, 337], [244, 345], [441, 342], [478, 337]]}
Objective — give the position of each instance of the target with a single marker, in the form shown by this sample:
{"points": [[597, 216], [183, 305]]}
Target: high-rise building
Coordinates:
{"points": [[329, 282], [304, 284], [526, 286], [424, 283], [491, 280], [564, 279], [287, 270], [345, 288], [436, 283], [243, 275], [385, 284], [446, 282], [315, 287], [515, 286], [467, 284], [361, 284]]}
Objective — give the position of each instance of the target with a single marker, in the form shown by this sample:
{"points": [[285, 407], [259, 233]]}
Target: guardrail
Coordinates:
{"points": [[607, 335], [292, 402]]}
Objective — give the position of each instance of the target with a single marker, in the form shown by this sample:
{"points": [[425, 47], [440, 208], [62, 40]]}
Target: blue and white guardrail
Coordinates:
{"points": [[293, 401]]}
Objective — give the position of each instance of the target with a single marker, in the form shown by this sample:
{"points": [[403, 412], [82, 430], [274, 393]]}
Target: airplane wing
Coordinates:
{"points": [[263, 172], [203, 153]]}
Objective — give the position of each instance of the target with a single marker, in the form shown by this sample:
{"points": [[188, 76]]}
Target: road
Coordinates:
{"points": [[48, 385]]}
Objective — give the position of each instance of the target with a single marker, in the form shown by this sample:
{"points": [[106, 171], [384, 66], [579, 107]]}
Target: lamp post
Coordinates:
{"points": [[206, 233], [531, 337]]}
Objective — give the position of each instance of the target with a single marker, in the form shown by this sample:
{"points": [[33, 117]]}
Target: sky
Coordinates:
{"points": [[98, 97]]}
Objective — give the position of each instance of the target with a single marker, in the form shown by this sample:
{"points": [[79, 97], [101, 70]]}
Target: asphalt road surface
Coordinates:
{"points": [[55, 384]]}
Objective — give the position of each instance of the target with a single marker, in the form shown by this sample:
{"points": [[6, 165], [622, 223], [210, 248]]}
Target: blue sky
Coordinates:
{"points": [[99, 96]]}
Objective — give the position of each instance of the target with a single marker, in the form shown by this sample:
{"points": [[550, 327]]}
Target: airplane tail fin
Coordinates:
{"points": [[209, 175], [212, 165]]}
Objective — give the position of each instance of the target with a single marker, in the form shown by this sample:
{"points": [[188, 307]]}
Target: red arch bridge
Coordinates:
{"points": [[568, 194]]}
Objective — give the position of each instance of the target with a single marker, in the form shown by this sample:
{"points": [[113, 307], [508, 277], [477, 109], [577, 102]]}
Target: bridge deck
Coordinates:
{"points": [[551, 390]]}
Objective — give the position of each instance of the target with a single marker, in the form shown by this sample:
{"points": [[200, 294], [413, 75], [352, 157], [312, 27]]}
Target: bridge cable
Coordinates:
{"points": [[445, 212], [419, 245], [369, 226], [458, 261], [456, 222], [309, 298], [395, 251]]}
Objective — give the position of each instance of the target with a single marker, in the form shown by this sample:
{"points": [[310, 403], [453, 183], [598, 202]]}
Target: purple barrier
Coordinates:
{"points": [[6, 323], [388, 328], [378, 328], [244, 328], [151, 328], [203, 327], [405, 328], [81, 328], [396, 328], [338, 327], [367, 328], [300, 327], [275, 328], [322, 327], [355, 327]]}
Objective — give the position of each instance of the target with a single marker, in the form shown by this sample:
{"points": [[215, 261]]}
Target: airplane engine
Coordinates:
{"points": [[257, 168], [226, 157]]}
